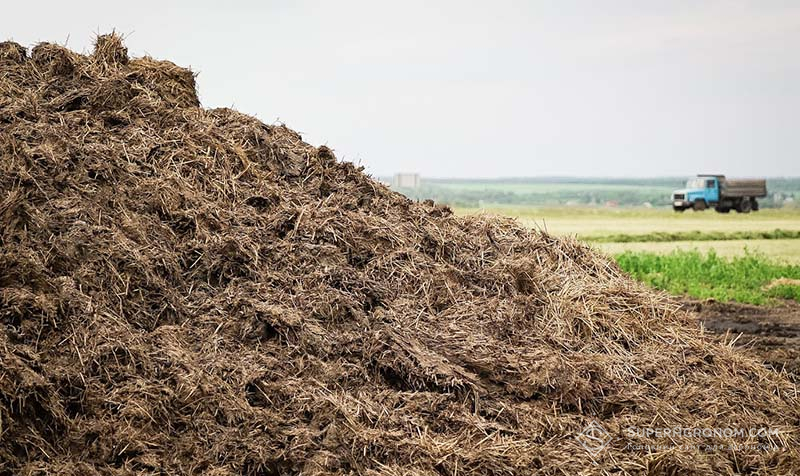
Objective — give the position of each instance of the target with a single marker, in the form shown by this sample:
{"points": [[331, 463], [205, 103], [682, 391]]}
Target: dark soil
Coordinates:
{"points": [[770, 333]]}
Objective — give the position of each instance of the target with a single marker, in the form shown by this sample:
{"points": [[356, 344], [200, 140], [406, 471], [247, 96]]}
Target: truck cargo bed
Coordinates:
{"points": [[743, 188]]}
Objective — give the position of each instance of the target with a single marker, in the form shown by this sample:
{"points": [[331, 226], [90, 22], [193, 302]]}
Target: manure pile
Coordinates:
{"points": [[190, 291]]}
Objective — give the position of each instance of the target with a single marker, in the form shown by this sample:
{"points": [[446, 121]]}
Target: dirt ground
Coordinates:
{"points": [[771, 333]]}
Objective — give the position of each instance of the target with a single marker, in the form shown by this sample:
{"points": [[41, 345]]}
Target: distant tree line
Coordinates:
{"points": [[654, 191]]}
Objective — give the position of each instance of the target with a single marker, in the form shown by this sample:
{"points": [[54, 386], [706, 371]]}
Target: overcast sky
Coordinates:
{"points": [[484, 89]]}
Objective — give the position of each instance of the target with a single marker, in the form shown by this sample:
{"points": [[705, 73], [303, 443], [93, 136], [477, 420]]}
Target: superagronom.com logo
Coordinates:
{"points": [[594, 438]]}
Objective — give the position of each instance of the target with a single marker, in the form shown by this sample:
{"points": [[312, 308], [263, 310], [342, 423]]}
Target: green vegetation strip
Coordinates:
{"points": [[776, 234], [752, 278]]}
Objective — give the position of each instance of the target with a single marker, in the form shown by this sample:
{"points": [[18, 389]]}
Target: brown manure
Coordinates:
{"points": [[190, 291]]}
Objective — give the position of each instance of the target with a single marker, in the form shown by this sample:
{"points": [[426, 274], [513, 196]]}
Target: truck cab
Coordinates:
{"points": [[700, 192]]}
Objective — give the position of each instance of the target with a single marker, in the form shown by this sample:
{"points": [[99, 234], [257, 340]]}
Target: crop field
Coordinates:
{"points": [[588, 222], [617, 230]]}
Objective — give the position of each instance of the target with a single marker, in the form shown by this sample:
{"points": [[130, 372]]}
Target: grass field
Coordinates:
{"points": [[748, 279], [725, 268], [597, 224], [782, 251], [588, 222], [701, 254], [661, 236]]}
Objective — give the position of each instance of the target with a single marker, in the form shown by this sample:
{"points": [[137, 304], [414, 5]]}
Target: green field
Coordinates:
{"points": [[700, 254], [748, 279], [597, 224], [667, 236], [782, 251]]}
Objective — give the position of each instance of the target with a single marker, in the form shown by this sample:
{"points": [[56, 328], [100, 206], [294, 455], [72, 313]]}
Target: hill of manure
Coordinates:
{"points": [[190, 291]]}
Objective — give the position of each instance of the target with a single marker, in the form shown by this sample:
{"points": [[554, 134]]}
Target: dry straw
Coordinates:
{"points": [[190, 291]]}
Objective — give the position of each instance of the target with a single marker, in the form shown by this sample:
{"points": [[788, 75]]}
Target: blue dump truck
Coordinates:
{"points": [[706, 191]]}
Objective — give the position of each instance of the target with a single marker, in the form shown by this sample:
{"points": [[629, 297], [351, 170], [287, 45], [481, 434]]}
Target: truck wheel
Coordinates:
{"points": [[744, 205], [678, 209], [699, 205], [754, 204]]}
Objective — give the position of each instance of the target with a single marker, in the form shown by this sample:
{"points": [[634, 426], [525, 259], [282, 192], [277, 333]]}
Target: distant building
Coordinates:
{"points": [[405, 181]]}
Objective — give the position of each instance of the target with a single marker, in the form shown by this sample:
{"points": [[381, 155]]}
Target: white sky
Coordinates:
{"points": [[484, 89]]}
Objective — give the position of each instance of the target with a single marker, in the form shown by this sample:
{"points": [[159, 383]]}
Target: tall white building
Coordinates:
{"points": [[405, 180]]}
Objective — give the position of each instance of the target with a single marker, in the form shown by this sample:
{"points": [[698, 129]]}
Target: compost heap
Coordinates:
{"points": [[190, 291]]}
